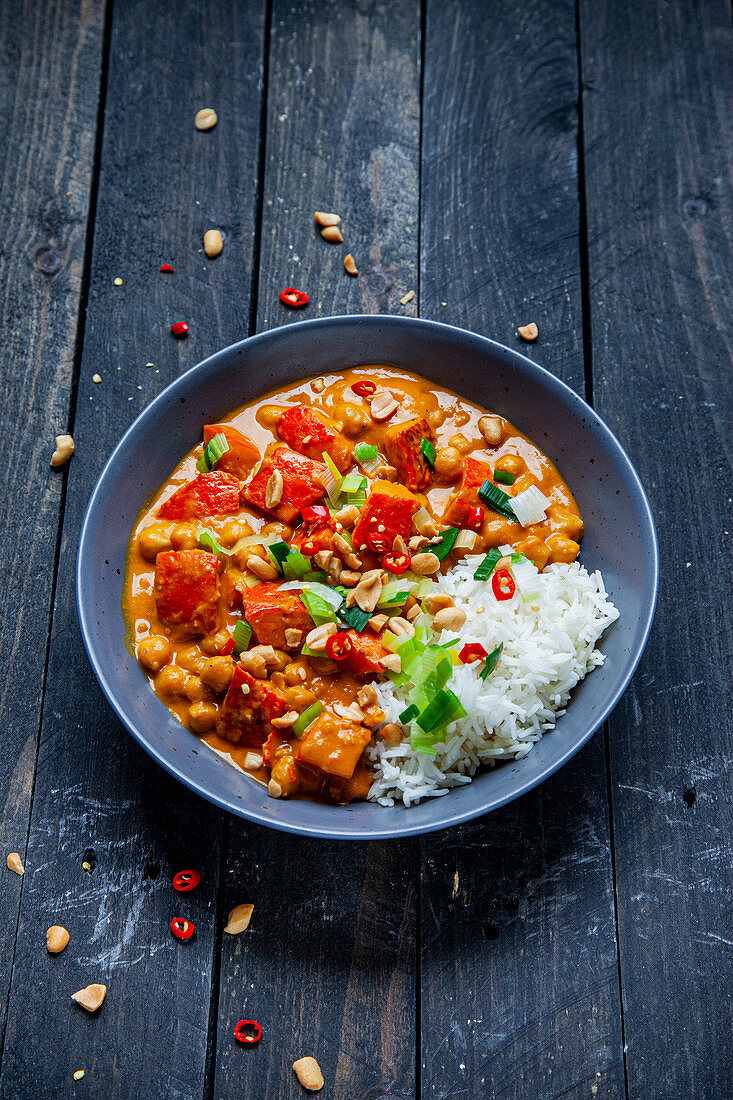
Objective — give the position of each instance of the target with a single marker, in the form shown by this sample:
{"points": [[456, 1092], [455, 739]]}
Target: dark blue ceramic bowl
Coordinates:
{"points": [[620, 540]]}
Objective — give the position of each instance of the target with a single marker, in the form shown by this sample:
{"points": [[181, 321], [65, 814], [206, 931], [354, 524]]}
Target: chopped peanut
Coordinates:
{"points": [[324, 219], [528, 332], [64, 450], [333, 234], [56, 939], [15, 863], [349, 264], [239, 918], [90, 997], [309, 1074]]}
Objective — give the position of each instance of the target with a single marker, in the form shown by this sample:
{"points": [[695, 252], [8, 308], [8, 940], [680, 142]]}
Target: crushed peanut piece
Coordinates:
{"points": [[274, 489], [56, 939], [15, 863], [90, 997], [324, 219], [285, 720], [96, 378], [206, 119], [213, 242], [528, 332], [349, 264], [407, 298], [383, 405], [333, 234], [318, 385], [252, 760], [78, 1074], [64, 450], [309, 1074], [239, 918]]}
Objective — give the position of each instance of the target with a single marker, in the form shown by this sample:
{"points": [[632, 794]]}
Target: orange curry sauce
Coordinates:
{"points": [[179, 625]]}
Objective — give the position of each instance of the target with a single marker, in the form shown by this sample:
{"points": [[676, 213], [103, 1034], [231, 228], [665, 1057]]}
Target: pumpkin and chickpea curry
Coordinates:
{"points": [[273, 575]]}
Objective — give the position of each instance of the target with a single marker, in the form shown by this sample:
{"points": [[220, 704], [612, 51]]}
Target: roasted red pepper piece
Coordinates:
{"points": [[402, 444], [249, 703], [301, 484], [311, 433], [389, 506], [464, 500], [270, 612], [187, 590], [212, 494], [366, 654], [334, 745], [242, 455]]}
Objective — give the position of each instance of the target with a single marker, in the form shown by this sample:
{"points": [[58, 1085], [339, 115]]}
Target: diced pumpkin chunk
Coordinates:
{"points": [[212, 494], [249, 703], [464, 497], [402, 444], [301, 483], [390, 507], [365, 655], [334, 745], [187, 590], [311, 433], [271, 612], [242, 455]]}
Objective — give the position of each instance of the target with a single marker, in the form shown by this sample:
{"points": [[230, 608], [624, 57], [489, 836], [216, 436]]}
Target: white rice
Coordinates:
{"points": [[549, 646]]}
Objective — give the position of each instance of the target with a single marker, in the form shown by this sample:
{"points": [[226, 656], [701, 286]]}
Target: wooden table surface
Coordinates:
{"points": [[569, 164]]}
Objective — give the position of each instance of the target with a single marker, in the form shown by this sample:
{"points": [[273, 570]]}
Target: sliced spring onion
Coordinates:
{"points": [[466, 540], [487, 566], [206, 538], [443, 708], [393, 593], [443, 548], [330, 595], [355, 618], [306, 651], [296, 565], [408, 713], [279, 551], [421, 517], [353, 483], [366, 452], [428, 450], [332, 484], [497, 499], [201, 464], [293, 586], [492, 661], [424, 743], [319, 609], [212, 452], [241, 634], [317, 575], [252, 540], [530, 506], [525, 575], [300, 725], [504, 477]]}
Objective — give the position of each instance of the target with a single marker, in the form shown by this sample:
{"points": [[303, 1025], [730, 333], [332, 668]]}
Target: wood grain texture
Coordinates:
{"points": [[162, 183], [342, 135], [519, 969], [50, 64], [658, 119], [328, 966]]}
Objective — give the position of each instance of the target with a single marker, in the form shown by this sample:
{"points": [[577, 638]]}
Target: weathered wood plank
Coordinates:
{"points": [[519, 974], [50, 64], [328, 963], [658, 120], [162, 184]]}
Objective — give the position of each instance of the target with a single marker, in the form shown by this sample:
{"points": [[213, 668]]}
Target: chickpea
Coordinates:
{"points": [[217, 673], [435, 418], [202, 717], [295, 673], [461, 417], [511, 464], [170, 681], [213, 643], [280, 529], [354, 419], [459, 442], [183, 537], [154, 652], [562, 549], [448, 464], [299, 698], [193, 689], [285, 775], [191, 659], [269, 414], [233, 530], [152, 541]]}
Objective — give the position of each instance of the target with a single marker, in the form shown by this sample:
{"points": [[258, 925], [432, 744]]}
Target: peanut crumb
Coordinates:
{"points": [[528, 332], [15, 863], [407, 298]]}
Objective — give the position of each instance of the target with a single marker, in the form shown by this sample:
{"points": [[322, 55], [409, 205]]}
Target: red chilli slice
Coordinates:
{"points": [[502, 583], [184, 881], [182, 929], [180, 328], [474, 651], [166, 269], [247, 1031], [293, 298], [338, 647], [396, 563], [227, 648], [378, 544], [364, 389]]}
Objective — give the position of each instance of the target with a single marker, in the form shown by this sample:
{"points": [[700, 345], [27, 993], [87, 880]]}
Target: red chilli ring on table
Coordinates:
{"points": [[184, 881], [296, 299], [242, 1031], [364, 389], [182, 929]]}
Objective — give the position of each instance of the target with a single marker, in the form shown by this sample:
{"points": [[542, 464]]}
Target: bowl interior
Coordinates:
{"points": [[619, 540]]}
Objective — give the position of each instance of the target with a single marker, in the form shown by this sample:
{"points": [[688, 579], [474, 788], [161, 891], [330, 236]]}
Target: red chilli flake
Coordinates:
{"points": [[378, 544], [474, 651], [314, 513], [475, 519], [185, 881], [502, 583], [227, 648], [166, 269], [182, 929], [247, 1031], [180, 328], [296, 299], [364, 389], [338, 647]]}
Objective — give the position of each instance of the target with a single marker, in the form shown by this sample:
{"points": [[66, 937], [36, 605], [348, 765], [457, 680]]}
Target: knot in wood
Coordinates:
{"points": [[49, 260], [377, 282], [697, 206]]}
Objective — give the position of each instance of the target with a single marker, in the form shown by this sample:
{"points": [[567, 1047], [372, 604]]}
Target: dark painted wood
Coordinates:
{"points": [[50, 64], [519, 970], [658, 120], [162, 184], [328, 964]]}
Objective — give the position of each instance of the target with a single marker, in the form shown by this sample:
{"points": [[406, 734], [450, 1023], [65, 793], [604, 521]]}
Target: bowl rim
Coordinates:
{"points": [[445, 818]]}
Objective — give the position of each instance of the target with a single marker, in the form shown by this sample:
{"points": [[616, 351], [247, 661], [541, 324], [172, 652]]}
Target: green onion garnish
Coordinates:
{"points": [[443, 548], [410, 712], [366, 452], [496, 499], [487, 566], [241, 635], [353, 483], [212, 452], [355, 618], [300, 725], [392, 594], [504, 477], [443, 709], [492, 661], [206, 538], [319, 609], [279, 551], [428, 450], [295, 566]]}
